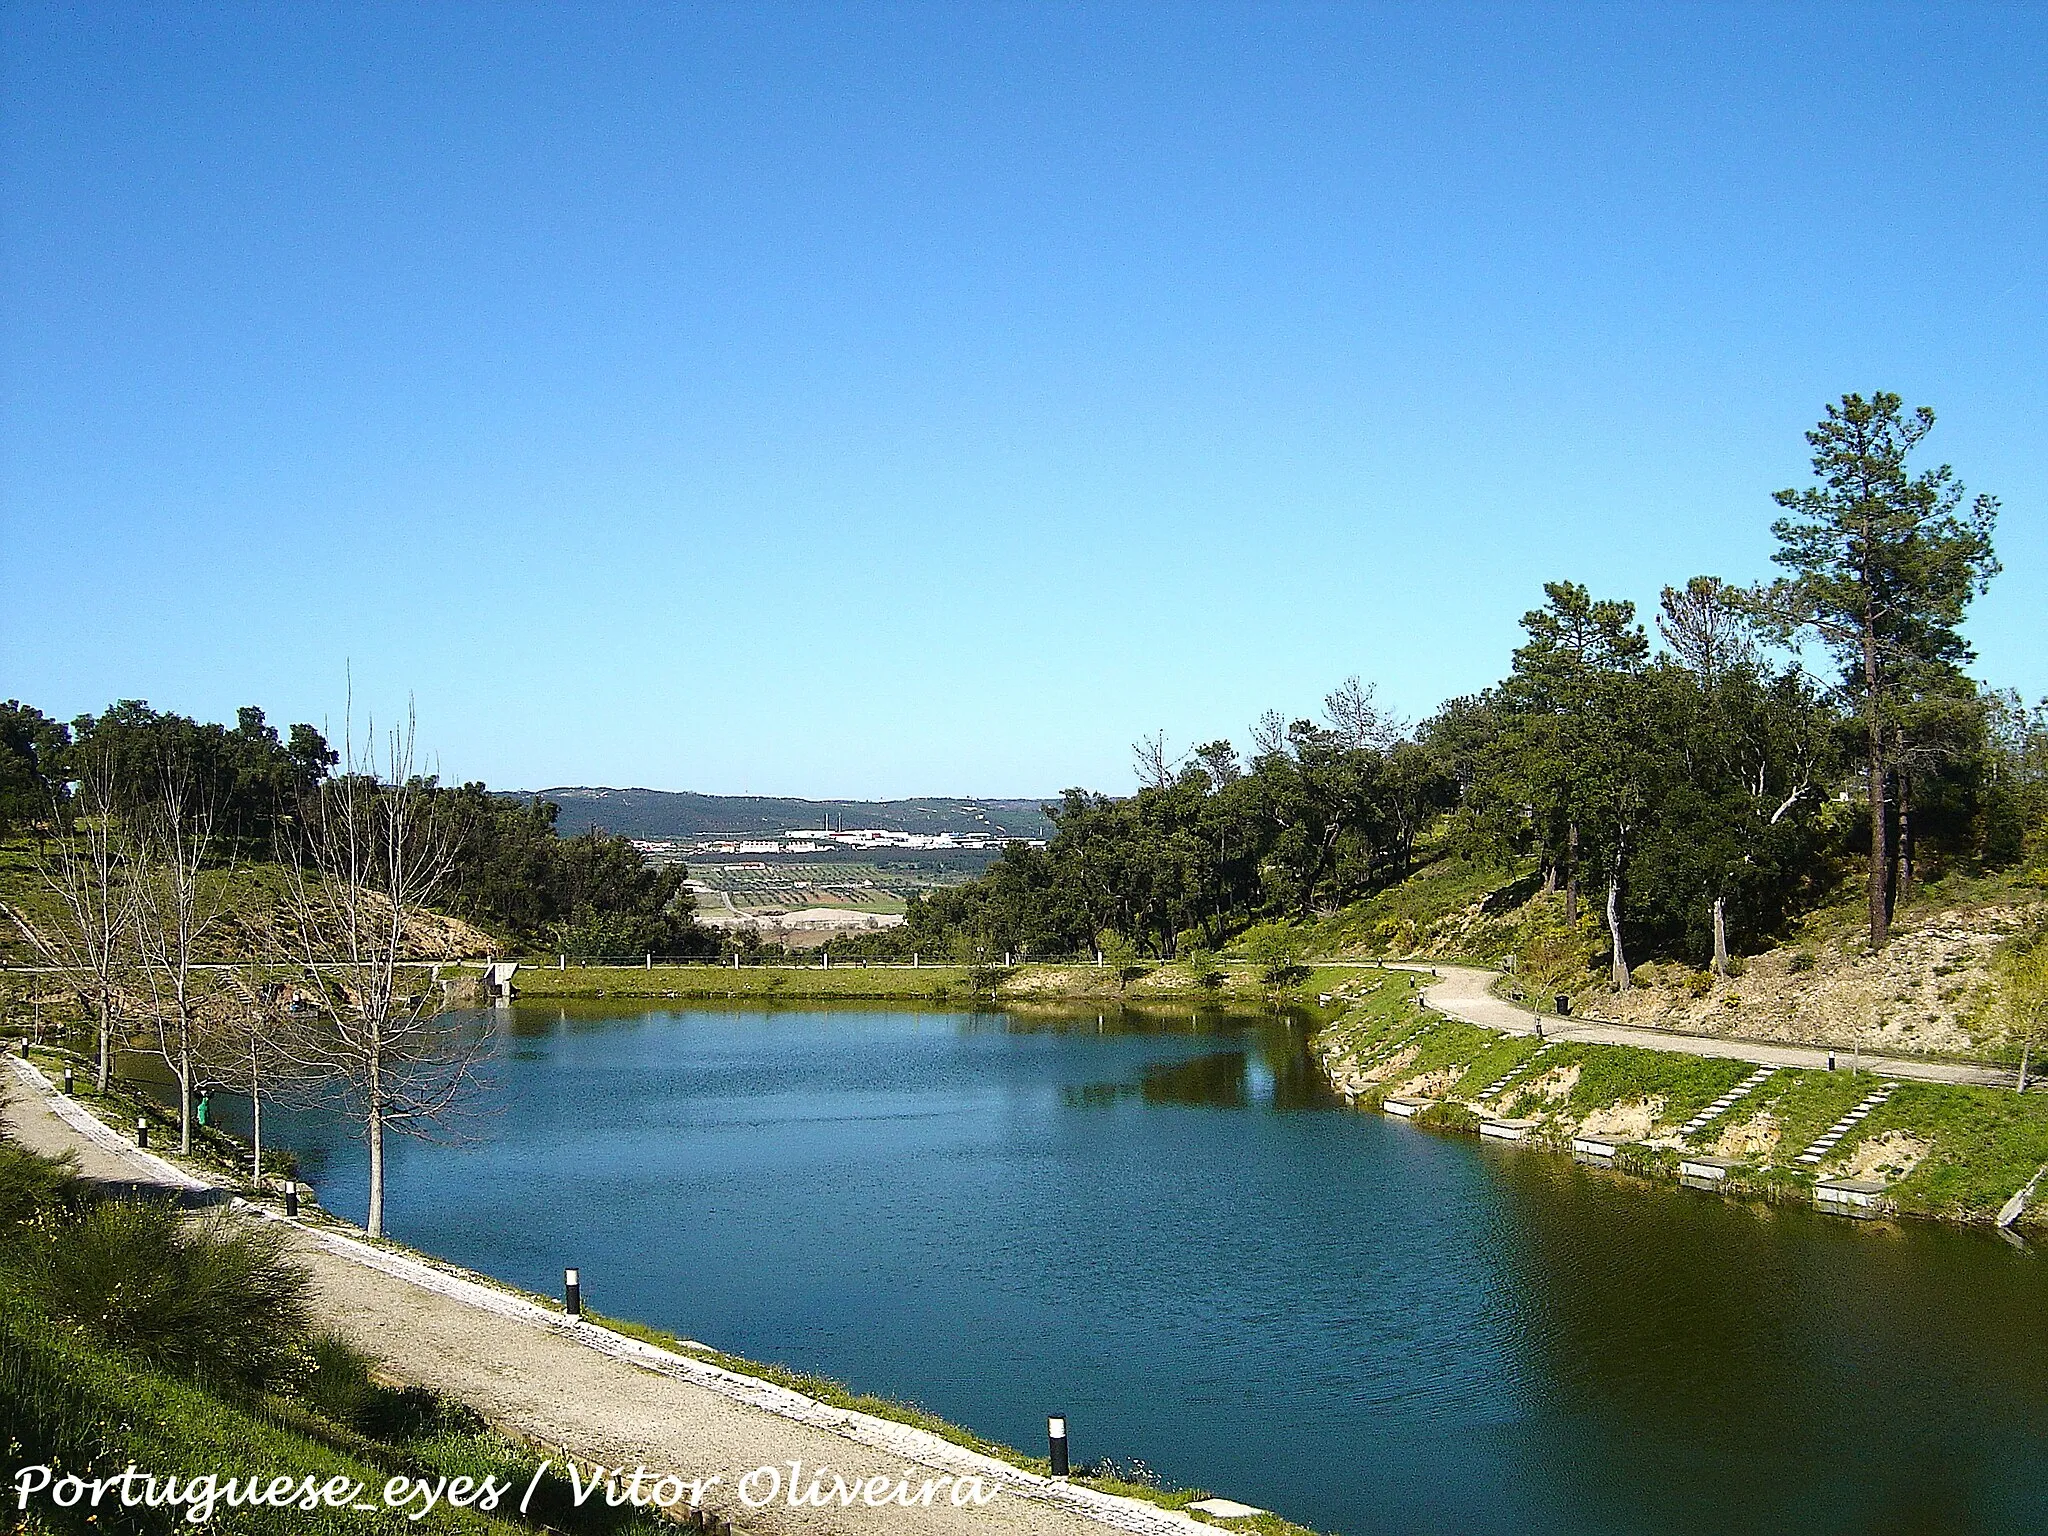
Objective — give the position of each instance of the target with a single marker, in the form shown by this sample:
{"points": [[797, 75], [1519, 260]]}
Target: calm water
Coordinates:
{"points": [[1163, 1227]]}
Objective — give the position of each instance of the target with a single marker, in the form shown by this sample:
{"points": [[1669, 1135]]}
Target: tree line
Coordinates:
{"points": [[592, 895], [1685, 796], [165, 845]]}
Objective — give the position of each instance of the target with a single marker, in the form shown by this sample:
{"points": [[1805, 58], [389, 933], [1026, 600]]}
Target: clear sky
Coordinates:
{"points": [[866, 400]]}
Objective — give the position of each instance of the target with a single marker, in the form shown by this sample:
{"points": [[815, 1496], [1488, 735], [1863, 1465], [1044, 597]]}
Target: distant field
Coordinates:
{"points": [[878, 885], [657, 813]]}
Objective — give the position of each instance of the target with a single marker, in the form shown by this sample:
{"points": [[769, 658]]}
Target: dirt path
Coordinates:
{"points": [[1465, 992], [604, 1397]]}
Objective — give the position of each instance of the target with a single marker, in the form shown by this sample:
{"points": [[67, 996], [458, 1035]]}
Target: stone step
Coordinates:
{"points": [[1829, 1139]]}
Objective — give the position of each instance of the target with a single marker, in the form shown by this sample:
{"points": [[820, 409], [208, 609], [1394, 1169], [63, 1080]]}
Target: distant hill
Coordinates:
{"points": [[661, 813]]}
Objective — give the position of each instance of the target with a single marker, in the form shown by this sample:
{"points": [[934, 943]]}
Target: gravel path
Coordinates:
{"points": [[603, 1397], [1466, 992]]}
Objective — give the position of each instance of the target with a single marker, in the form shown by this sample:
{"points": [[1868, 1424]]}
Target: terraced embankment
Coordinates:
{"points": [[1937, 1139]]}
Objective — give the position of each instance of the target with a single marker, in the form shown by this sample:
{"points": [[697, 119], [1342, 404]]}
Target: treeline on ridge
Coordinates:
{"points": [[1681, 800], [592, 895]]}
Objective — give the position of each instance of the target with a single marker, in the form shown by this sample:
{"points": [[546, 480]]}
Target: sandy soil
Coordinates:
{"points": [[1393, 1066], [1429, 1085], [1552, 1085], [1631, 1119], [1889, 1157], [606, 1398], [1922, 992], [1754, 1140]]}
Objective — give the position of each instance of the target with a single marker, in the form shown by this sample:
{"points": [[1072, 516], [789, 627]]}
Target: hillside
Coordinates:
{"points": [[252, 907], [1928, 992], [661, 813]]}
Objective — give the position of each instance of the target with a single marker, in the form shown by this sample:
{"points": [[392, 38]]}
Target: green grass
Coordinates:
{"points": [[1381, 1009], [71, 1401], [1987, 1144], [1032, 981], [1806, 1103], [1614, 1074], [752, 982], [1495, 1061], [1400, 919]]}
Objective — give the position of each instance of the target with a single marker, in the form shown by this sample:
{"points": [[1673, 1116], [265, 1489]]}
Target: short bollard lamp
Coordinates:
{"points": [[572, 1292], [1056, 1436]]}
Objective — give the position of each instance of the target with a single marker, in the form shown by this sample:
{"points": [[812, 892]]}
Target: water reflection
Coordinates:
{"points": [[1157, 1221]]}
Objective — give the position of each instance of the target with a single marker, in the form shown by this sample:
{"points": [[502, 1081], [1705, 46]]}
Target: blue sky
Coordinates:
{"points": [[877, 400]]}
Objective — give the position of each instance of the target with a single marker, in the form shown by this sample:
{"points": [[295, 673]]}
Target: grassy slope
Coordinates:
{"points": [[1156, 982], [67, 1400], [250, 899], [1985, 1142], [1443, 908]]}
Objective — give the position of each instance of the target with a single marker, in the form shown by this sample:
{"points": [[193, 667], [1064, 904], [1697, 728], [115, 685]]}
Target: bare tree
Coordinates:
{"points": [[1154, 766], [250, 1043], [91, 873], [2022, 990], [372, 853], [1355, 715], [175, 911]]}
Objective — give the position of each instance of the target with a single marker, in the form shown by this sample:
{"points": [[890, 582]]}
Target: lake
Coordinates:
{"points": [[1163, 1226]]}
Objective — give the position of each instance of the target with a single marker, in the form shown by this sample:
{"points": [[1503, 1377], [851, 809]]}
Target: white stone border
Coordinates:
{"points": [[904, 1440]]}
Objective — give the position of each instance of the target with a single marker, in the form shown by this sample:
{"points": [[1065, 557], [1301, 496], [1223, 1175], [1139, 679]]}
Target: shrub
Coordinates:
{"points": [[1699, 983], [211, 1298], [1277, 949], [1644, 975], [1202, 966], [339, 1385], [33, 1186], [1802, 960]]}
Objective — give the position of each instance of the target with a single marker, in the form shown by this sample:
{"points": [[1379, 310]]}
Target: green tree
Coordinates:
{"points": [[32, 757], [2022, 983], [1553, 758], [1884, 563], [1738, 827]]}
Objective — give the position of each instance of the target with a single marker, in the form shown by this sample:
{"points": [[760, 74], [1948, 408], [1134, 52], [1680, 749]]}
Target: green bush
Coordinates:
{"points": [[1699, 983], [33, 1187], [206, 1297], [339, 1386], [1802, 960]]}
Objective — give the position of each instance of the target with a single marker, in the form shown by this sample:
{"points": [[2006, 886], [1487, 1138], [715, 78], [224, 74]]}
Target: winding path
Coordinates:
{"points": [[1466, 992]]}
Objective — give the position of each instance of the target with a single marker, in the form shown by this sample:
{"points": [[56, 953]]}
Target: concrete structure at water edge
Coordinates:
{"points": [[1860, 1198], [1506, 1130], [1601, 1150], [1404, 1109], [1704, 1172]]}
